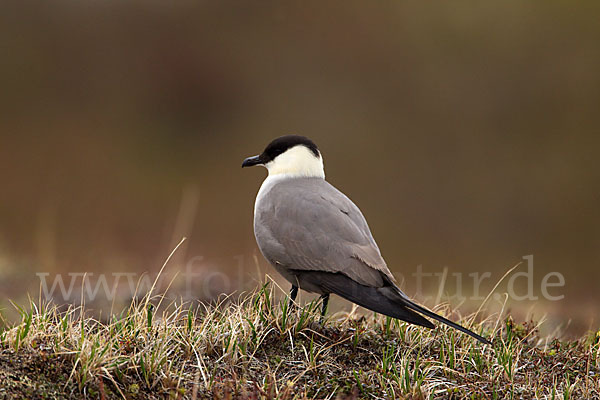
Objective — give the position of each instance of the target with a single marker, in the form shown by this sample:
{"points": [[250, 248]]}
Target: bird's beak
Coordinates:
{"points": [[251, 161]]}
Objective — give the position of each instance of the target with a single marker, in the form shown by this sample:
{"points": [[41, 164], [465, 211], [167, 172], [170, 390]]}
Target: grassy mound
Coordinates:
{"points": [[255, 348]]}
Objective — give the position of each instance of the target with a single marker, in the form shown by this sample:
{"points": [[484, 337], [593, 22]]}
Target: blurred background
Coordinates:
{"points": [[467, 133]]}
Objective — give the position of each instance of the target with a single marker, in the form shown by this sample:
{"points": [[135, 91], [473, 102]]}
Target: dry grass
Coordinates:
{"points": [[253, 347]]}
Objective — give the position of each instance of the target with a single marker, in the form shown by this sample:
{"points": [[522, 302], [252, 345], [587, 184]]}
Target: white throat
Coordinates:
{"points": [[298, 161]]}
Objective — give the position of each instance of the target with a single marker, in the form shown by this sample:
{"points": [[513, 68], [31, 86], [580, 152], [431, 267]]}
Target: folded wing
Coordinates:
{"points": [[307, 224]]}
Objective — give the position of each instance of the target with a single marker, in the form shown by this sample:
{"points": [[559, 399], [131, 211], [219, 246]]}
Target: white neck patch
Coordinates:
{"points": [[297, 161]]}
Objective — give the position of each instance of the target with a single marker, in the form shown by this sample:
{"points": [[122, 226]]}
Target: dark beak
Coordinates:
{"points": [[251, 161]]}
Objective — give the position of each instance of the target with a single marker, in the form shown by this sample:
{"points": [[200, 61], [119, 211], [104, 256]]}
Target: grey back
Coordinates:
{"points": [[307, 224]]}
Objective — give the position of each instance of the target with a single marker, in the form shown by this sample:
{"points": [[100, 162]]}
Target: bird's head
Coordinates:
{"points": [[291, 155]]}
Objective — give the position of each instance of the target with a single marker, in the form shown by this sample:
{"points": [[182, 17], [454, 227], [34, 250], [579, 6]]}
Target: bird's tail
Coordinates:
{"points": [[413, 306], [368, 297], [387, 300]]}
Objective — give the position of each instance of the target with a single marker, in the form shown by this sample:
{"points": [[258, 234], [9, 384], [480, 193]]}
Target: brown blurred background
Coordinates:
{"points": [[468, 134]]}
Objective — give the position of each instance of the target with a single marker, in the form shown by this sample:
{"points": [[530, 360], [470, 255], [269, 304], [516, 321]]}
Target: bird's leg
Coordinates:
{"points": [[325, 298], [293, 294]]}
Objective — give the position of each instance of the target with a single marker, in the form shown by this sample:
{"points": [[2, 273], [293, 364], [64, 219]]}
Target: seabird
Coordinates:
{"points": [[319, 240]]}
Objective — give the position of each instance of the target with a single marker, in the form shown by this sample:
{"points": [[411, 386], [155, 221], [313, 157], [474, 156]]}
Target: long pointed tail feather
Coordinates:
{"points": [[413, 306], [387, 300]]}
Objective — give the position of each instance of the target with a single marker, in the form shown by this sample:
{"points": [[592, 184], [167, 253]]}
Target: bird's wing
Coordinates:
{"points": [[307, 224]]}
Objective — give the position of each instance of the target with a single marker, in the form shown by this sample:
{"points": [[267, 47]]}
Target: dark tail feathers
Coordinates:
{"points": [[431, 314], [387, 300]]}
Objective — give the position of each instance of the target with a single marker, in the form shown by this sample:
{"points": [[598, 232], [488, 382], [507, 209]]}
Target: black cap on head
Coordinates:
{"points": [[279, 146]]}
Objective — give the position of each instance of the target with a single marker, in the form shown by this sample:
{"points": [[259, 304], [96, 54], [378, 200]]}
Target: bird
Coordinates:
{"points": [[319, 240]]}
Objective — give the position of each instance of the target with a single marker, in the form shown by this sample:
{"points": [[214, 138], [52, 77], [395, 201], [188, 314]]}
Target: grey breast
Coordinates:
{"points": [[306, 224]]}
